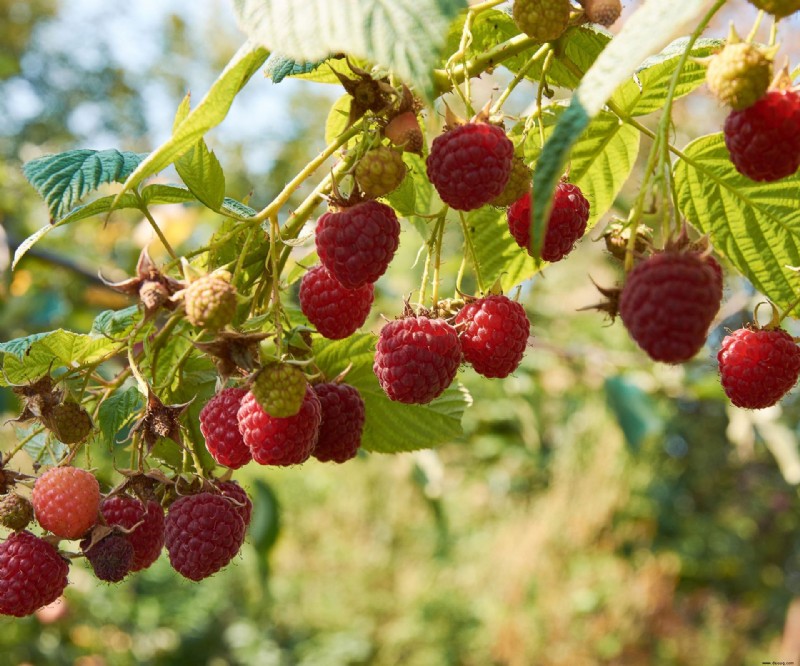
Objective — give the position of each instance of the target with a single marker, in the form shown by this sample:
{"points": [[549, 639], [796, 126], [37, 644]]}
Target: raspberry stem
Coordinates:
{"points": [[468, 245], [156, 228], [274, 234], [545, 48]]}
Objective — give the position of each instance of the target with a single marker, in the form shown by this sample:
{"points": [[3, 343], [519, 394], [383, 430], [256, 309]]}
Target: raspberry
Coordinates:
{"points": [[604, 12], [277, 441], [342, 422], [203, 534], [153, 295], [778, 8], [470, 165], [221, 429], [357, 243], [565, 227], [404, 131], [15, 512], [32, 574], [668, 302], [380, 171], [111, 557], [69, 422], [147, 538], [416, 359], [279, 388], [494, 331], [542, 20], [739, 75], [764, 139], [210, 302], [243, 504], [66, 501], [519, 184], [758, 367], [335, 311]]}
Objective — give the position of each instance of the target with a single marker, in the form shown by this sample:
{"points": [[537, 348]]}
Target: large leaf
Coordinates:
{"points": [[64, 179], [27, 359], [391, 426], [600, 161], [210, 112], [116, 412], [661, 22], [402, 35], [755, 225], [647, 91], [499, 256]]}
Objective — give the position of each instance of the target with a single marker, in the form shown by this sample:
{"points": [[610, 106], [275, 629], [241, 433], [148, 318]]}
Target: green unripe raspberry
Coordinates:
{"points": [[778, 8], [542, 20], [15, 512], [69, 422], [210, 303], [380, 171], [739, 75], [519, 183], [279, 389]]}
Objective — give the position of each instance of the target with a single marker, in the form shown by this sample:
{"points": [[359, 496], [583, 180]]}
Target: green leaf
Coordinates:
{"points": [[116, 323], [266, 523], [210, 112], [661, 22], [635, 411], [499, 256], [64, 179], [336, 122], [401, 35], [43, 449], [27, 359], [600, 160], [755, 225], [390, 426], [415, 194], [647, 90], [116, 412], [201, 171], [278, 67]]}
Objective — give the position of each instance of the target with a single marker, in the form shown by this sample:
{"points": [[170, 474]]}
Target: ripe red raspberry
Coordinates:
{"points": [[469, 165], [758, 367], [342, 422], [204, 533], [147, 538], [565, 227], [416, 359], [543, 20], [668, 302], [494, 331], [66, 500], [242, 502], [335, 311], [280, 441], [404, 131], [111, 558], [220, 427], [357, 243], [32, 574], [764, 139]]}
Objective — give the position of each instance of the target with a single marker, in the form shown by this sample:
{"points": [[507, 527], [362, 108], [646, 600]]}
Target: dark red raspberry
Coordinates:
{"points": [[204, 533], [342, 422], [237, 493], [668, 302], [148, 537], [66, 500], [220, 427], [566, 226], [32, 574], [494, 331], [469, 165], [416, 358], [335, 311], [758, 367], [357, 243], [764, 139], [280, 441], [111, 557]]}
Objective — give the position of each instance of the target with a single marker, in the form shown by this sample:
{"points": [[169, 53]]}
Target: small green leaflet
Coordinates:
{"points": [[402, 35], [755, 225], [391, 426], [278, 67], [64, 179], [202, 173], [116, 412]]}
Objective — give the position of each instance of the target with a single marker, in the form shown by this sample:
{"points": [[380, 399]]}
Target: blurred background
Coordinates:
{"points": [[598, 509]]}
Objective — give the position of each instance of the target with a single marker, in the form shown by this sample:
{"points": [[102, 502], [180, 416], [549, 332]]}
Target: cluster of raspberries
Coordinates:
{"points": [[118, 534]]}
